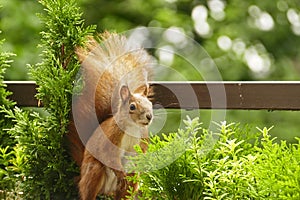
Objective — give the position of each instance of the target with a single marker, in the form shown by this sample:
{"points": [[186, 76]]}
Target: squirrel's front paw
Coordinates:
{"points": [[120, 174], [122, 188], [121, 177]]}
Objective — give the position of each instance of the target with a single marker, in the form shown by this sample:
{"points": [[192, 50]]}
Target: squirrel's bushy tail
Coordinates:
{"points": [[105, 66]]}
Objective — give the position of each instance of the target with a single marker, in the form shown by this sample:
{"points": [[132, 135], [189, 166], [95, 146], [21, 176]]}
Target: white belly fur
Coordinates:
{"points": [[127, 148], [129, 140], [111, 182]]}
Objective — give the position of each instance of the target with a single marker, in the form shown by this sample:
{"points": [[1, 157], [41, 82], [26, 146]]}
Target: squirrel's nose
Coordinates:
{"points": [[149, 116]]}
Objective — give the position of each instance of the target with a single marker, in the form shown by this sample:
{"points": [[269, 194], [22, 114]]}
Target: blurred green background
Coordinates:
{"points": [[248, 40]]}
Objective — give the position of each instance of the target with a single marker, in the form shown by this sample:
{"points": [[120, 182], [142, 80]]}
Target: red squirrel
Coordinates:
{"points": [[110, 115]]}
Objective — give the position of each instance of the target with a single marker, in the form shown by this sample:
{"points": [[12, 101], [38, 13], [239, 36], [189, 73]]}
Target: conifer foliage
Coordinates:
{"points": [[6, 142], [41, 166]]}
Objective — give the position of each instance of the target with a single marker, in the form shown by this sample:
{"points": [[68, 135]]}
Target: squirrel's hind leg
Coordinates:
{"points": [[92, 178]]}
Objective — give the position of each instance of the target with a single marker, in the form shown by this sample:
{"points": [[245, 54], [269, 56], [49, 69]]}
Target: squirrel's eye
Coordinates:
{"points": [[132, 107]]}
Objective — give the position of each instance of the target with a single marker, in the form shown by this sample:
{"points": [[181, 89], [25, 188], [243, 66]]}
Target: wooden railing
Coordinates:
{"points": [[232, 95]]}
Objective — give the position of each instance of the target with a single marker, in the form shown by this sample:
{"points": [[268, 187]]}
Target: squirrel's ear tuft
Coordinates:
{"points": [[124, 93], [143, 90]]}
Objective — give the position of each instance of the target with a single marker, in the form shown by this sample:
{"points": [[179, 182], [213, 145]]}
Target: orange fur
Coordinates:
{"points": [[102, 166], [105, 68]]}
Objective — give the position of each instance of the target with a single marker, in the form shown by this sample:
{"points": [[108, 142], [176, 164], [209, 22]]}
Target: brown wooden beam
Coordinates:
{"points": [[228, 95], [203, 95], [23, 92]]}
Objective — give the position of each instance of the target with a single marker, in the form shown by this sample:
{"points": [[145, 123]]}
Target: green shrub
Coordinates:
{"points": [[6, 142], [37, 158], [231, 164], [277, 168], [4, 101], [193, 163]]}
